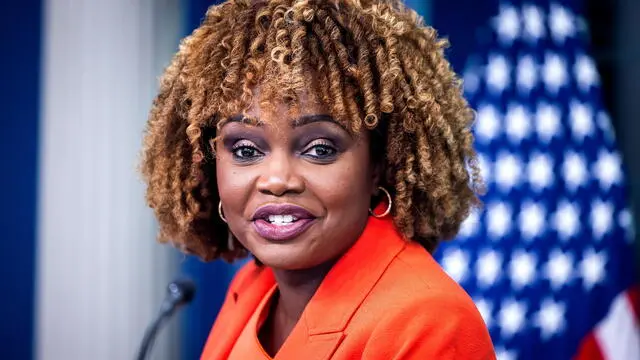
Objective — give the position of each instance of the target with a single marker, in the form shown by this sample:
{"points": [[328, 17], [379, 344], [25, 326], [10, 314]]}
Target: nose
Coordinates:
{"points": [[279, 176]]}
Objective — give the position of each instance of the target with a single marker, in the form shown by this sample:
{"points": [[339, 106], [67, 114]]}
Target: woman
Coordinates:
{"points": [[330, 141]]}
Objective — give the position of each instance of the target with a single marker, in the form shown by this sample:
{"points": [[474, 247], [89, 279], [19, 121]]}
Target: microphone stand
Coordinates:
{"points": [[179, 292]]}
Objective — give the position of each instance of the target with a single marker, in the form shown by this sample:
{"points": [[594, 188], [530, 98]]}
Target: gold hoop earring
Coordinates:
{"points": [[220, 212], [388, 210]]}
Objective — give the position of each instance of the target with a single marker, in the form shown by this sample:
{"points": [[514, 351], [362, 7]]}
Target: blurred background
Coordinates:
{"points": [[550, 260]]}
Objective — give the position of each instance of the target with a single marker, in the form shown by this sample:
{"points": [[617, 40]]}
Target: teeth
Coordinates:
{"points": [[281, 219]]}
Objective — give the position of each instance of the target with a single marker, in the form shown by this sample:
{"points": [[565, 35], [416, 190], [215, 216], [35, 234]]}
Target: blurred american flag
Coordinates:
{"points": [[549, 259]]}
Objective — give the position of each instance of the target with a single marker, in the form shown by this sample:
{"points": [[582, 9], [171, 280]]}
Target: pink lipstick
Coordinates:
{"points": [[281, 222]]}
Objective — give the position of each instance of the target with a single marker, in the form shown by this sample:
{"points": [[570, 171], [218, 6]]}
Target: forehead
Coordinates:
{"points": [[267, 105], [271, 107], [278, 115]]}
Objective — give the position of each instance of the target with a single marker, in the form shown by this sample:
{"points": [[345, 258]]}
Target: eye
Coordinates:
{"points": [[245, 151], [320, 150]]}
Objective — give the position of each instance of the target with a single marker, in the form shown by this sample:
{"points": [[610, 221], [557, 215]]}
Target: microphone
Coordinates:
{"points": [[179, 292]]}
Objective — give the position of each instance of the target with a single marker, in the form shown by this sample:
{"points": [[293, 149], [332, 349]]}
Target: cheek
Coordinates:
{"points": [[346, 184], [233, 184], [223, 178]]}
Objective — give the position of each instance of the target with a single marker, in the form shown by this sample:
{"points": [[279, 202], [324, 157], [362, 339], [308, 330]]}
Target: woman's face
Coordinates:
{"points": [[295, 188]]}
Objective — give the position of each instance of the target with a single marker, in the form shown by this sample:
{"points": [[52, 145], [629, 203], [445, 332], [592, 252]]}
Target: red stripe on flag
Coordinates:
{"points": [[589, 349], [634, 299]]}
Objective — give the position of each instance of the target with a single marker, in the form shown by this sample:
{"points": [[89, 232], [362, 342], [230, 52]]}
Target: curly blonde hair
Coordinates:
{"points": [[381, 68]]}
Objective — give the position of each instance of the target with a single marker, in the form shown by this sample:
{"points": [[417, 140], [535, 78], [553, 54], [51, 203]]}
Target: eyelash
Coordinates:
{"points": [[322, 144], [245, 145]]}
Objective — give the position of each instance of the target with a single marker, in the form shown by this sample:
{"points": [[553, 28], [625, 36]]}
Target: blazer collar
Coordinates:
{"points": [[350, 280], [319, 331]]}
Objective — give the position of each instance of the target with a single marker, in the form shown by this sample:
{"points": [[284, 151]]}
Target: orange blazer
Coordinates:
{"points": [[386, 298]]}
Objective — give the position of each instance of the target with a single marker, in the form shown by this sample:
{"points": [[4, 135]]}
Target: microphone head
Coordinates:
{"points": [[181, 291]]}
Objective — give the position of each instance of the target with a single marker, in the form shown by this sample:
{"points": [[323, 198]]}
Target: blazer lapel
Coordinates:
{"points": [[320, 347], [242, 300], [320, 329]]}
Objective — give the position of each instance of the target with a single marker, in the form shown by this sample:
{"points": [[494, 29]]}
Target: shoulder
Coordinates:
{"points": [[245, 276], [424, 313], [414, 276], [245, 291], [248, 285]]}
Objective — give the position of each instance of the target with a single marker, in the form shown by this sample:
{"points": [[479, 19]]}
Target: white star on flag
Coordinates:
{"points": [[488, 267], [470, 224], [498, 73], [581, 120], [591, 268], [488, 123], [554, 73], [471, 81], [533, 23], [522, 269], [547, 121], [508, 171], [626, 222], [601, 218], [550, 318], [608, 169], [518, 123], [604, 122], [504, 354], [574, 170], [499, 219], [485, 308], [566, 220], [561, 23], [527, 74], [456, 263], [507, 24], [558, 268], [511, 317], [585, 72], [540, 171], [531, 220]]}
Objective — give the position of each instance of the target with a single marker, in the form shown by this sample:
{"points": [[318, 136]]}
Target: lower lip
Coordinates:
{"points": [[274, 232]]}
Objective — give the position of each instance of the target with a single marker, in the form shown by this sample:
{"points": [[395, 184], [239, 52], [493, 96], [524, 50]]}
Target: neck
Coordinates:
{"points": [[296, 287]]}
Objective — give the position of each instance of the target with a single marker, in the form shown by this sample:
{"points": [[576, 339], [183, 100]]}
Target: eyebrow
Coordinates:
{"points": [[310, 119], [299, 122]]}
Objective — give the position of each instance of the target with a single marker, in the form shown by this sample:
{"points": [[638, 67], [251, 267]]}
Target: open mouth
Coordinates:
{"points": [[280, 222]]}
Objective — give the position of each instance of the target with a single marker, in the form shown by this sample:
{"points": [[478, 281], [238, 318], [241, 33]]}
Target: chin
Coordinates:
{"points": [[293, 254], [285, 256]]}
